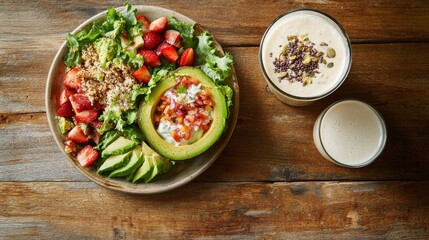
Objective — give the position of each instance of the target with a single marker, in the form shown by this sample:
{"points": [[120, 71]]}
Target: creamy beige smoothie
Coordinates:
{"points": [[305, 55], [350, 133]]}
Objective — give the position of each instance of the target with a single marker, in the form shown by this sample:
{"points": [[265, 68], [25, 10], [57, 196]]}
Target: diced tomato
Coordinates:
{"points": [[87, 156], [152, 40], [150, 58], [80, 102], [159, 25], [205, 127], [65, 110], [170, 53], [77, 135], [71, 80], [65, 94], [187, 58], [173, 37], [175, 135], [87, 116]]}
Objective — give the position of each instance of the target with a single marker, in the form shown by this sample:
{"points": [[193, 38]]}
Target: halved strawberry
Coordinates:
{"points": [[71, 80], [173, 37], [150, 58], [145, 25], [187, 58], [152, 40], [159, 25], [65, 110], [80, 102], [65, 94], [160, 47], [87, 156], [87, 116], [142, 75], [77, 135], [170, 53]]}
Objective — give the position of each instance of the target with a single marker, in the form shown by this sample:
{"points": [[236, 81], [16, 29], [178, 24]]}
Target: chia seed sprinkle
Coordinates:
{"points": [[298, 61]]}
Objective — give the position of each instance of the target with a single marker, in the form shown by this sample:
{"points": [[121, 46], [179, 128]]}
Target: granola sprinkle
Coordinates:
{"points": [[105, 86]]}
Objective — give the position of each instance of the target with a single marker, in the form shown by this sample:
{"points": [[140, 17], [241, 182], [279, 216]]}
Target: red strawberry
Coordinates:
{"points": [[65, 110], [87, 156], [145, 25], [80, 102], [97, 124], [187, 58], [159, 25], [142, 75], [77, 135], [170, 53], [65, 94], [173, 37], [151, 40], [150, 58], [71, 80], [160, 47], [87, 116]]}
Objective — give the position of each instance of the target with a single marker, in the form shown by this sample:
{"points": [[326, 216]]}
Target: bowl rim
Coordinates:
{"points": [[109, 183]]}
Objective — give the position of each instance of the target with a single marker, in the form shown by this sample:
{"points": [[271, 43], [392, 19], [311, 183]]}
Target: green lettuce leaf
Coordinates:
{"points": [[186, 31], [216, 67]]}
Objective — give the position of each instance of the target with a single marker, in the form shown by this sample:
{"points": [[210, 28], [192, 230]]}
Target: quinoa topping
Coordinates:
{"points": [[106, 86]]}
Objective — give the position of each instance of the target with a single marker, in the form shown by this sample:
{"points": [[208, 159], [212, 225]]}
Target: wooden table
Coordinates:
{"points": [[270, 182]]}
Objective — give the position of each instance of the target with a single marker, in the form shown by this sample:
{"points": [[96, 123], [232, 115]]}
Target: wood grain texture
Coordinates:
{"points": [[27, 49], [272, 141], [320, 210]]}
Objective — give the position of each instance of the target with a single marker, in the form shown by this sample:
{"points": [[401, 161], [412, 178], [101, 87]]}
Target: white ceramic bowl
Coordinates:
{"points": [[181, 173]]}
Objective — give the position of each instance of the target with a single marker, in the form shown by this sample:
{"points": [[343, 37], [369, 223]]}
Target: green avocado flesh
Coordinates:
{"points": [[183, 152]]}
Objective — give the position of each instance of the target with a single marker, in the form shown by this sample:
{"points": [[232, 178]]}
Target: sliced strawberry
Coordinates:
{"points": [[160, 47], [87, 116], [65, 94], [150, 58], [187, 58], [95, 136], [145, 25], [97, 124], [152, 40], [173, 37], [71, 80], [77, 135], [170, 53], [142, 75], [87, 156], [80, 102], [159, 25], [65, 110]]}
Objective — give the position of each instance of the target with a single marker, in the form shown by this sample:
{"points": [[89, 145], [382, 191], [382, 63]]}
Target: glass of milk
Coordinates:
{"points": [[321, 33], [350, 133]]}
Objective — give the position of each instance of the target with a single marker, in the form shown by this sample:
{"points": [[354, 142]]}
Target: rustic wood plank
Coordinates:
{"points": [[320, 210], [28, 151], [274, 143], [233, 22]]}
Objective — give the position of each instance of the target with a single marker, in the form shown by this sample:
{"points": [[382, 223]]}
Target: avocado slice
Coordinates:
{"points": [[115, 162], [152, 163], [119, 146], [147, 109], [135, 162], [157, 162]]}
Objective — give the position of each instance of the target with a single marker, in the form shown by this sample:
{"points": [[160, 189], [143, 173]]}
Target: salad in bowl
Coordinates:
{"points": [[141, 99]]}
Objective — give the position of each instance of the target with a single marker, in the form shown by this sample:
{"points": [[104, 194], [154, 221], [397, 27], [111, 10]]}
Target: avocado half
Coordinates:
{"points": [[147, 110]]}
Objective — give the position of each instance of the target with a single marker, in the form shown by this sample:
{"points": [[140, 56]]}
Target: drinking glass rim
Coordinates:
{"points": [[342, 31], [384, 133]]}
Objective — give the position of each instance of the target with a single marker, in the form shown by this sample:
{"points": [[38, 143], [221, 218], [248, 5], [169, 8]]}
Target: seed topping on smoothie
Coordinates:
{"points": [[300, 60]]}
